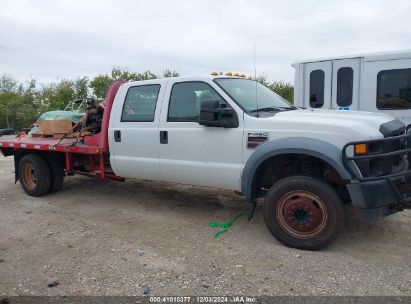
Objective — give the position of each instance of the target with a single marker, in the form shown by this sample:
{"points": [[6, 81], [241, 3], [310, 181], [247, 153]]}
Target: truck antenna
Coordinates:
{"points": [[255, 79]]}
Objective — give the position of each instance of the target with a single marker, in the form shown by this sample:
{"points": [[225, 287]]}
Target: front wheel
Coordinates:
{"points": [[303, 212]]}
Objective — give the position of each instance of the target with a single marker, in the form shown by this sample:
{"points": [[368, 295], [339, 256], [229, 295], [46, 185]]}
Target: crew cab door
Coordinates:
{"points": [[133, 133], [194, 154]]}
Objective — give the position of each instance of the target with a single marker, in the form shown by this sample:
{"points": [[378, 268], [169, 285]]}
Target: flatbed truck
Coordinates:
{"points": [[234, 133]]}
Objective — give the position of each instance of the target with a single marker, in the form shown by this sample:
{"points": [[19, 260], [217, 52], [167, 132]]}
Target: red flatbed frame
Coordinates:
{"points": [[48, 144]]}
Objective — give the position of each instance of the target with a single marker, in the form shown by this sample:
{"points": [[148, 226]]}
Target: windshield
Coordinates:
{"points": [[250, 95]]}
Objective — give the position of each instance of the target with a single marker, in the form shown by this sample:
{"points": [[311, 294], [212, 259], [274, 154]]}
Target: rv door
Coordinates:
{"points": [[345, 84], [317, 85]]}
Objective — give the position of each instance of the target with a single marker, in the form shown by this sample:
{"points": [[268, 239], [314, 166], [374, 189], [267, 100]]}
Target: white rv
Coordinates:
{"points": [[378, 82]]}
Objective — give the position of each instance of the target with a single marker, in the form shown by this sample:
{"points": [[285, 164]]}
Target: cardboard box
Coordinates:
{"points": [[50, 127]]}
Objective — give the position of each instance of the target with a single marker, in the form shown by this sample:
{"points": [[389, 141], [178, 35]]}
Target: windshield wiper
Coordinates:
{"points": [[273, 109]]}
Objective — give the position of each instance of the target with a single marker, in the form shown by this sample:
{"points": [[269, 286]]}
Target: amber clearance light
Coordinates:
{"points": [[360, 149]]}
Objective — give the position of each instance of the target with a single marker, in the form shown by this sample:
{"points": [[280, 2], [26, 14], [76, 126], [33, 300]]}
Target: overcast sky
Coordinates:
{"points": [[50, 40]]}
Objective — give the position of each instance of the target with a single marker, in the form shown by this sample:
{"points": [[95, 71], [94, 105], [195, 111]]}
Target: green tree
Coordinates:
{"points": [[124, 74], [56, 96], [263, 80], [170, 73], [17, 107], [81, 87], [282, 88], [100, 85], [147, 75]]}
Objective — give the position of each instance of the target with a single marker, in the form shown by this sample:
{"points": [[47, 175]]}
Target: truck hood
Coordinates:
{"points": [[359, 124]]}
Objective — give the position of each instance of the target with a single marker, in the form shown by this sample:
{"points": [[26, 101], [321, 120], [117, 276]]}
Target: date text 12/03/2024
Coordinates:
{"points": [[203, 299]]}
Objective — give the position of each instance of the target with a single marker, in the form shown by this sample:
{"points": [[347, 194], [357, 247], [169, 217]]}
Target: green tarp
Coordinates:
{"points": [[56, 115]]}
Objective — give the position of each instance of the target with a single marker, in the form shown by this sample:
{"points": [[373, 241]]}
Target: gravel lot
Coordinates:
{"points": [[110, 238]]}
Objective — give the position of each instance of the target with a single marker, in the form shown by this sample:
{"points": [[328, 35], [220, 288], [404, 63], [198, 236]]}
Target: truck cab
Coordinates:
{"points": [[379, 83], [234, 133], [155, 134]]}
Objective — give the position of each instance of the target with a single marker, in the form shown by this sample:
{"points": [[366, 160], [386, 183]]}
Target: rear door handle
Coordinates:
{"points": [[117, 136], [163, 137]]}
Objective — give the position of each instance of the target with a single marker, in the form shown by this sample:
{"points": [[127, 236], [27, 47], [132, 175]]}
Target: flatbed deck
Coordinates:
{"points": [[48, 144]]}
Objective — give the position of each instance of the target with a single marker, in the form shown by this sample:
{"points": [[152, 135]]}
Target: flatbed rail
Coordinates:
{"points": [[48, 144]]}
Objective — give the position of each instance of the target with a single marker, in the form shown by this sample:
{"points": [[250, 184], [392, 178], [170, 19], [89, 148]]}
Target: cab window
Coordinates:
{"points": [[317, 88], [140, 103], [394, 89], [185, 100]]}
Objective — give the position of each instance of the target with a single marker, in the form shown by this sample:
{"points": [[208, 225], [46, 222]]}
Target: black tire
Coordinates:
{"points": [[56, 168], [303, 212], [34, 175]]}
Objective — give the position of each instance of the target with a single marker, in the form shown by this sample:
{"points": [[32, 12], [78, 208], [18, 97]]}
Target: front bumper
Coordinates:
{"points": [[379, 195], [377, 199]]}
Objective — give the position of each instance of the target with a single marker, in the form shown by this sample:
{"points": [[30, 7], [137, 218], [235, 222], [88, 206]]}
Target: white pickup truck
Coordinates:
{"points": [[234, 133]]}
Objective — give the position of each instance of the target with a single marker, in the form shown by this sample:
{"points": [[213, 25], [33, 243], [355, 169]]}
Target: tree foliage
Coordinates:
{"points": [[21, 102], [100, 85], [170, 73], [17, 101], [282, 88], [101, 82]]}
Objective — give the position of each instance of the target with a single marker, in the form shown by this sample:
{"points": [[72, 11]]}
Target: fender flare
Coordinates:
{"points": [[291, 145]]}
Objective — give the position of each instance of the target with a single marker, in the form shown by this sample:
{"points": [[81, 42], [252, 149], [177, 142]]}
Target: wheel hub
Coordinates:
{"points": [[301, 214], [29, 176]]}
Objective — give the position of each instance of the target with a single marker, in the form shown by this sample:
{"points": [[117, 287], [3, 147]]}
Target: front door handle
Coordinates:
{"points": [[117, 136], [163, 137]]}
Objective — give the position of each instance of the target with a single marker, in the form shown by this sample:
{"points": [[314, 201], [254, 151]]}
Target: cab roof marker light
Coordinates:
{"points": [[229, 74], [214, 74]]}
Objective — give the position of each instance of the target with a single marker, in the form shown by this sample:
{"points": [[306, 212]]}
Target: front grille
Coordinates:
{"points": [[385, 157]]}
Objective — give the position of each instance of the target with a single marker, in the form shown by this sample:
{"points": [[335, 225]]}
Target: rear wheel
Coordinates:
{"points": [[56, 174], [303, 212], [34, 175]]}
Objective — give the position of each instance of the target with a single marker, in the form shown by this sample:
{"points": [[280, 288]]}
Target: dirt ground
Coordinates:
{"points": [[110, 238]]}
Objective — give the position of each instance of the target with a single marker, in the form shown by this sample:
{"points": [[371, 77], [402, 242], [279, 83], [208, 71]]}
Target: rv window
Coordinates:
{"points": [[394, 89], [317, 89], [344, 86]]}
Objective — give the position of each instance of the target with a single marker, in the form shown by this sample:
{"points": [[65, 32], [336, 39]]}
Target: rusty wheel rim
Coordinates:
{"points": [[301, 214], [29, 176]]}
